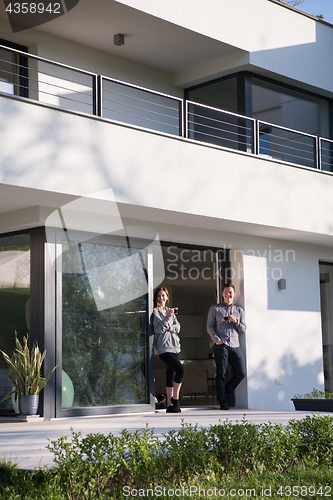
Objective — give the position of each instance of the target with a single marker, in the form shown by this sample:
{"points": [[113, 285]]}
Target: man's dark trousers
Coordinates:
{"points": [[223, 355]]}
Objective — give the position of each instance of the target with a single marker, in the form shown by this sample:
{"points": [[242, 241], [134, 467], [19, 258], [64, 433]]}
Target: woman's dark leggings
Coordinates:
{"points": [[175, 370]]}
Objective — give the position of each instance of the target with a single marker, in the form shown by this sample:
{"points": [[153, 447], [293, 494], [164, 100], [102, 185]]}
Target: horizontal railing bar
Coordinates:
{"points": [[142, 109], [284, 146], [144, 89], [43, 59], [53, 95], [221, 111], [218, 121], [287, 129], [144, 119], [220, 130], [33, 70], [288, 154], [49, 93], [326, 140], [282, 152], [135, 98], [219, 137], [326, 149], [88, 92], [288, 139], [285, 140], [329, 159]]}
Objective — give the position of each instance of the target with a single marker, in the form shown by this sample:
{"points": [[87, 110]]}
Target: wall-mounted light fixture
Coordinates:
{"points": [[119, 39], [282, 284]]}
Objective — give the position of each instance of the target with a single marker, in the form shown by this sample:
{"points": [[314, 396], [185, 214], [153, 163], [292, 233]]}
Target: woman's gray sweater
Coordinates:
{"points": [[166, 332]]}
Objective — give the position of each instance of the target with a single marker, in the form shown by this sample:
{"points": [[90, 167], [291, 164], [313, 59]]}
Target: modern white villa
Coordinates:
{"points": [[188, 143]]}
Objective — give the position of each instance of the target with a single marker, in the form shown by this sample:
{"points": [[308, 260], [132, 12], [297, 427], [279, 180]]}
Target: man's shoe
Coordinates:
{"points": [[224, 406]]}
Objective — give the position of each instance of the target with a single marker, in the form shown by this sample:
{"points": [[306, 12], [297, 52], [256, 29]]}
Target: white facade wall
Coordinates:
{"points": [[42, 147]]}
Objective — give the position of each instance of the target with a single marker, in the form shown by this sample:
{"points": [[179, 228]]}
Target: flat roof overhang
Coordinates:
{"points": [[22, 208], [149, 40]]}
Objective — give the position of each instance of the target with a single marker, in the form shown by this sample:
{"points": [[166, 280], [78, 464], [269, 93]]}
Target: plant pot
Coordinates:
{"points": [[313, 404], [28, 405]]}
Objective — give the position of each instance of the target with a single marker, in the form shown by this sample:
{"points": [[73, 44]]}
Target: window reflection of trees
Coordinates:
{"points": [[104, 351]]}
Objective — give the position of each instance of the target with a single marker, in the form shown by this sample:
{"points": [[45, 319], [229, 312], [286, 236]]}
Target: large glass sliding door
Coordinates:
{"points": [[104, 323], [14, 301]]}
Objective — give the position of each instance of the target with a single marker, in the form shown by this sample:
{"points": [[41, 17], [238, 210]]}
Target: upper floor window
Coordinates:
{"points": [[268, 101], [220, 94], [13, 69], [290, 108]]}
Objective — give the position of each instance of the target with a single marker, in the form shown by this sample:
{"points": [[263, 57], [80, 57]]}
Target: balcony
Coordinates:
{"points": [[60, 86]]}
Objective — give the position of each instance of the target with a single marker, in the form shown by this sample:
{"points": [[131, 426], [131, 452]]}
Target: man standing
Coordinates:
{"points": [[224, 323]]}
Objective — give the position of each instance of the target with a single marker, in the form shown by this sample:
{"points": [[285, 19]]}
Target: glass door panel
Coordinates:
{"points": [[104, 304], [14, 300]]}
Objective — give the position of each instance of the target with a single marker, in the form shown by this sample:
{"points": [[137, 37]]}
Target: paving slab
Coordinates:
{"points": [[24, 442]]}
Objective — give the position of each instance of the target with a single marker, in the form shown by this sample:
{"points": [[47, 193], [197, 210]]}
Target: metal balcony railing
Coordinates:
{"points": [[140, 107], [287, 145], [73, 89], [326, 154], [214, 126], [45, 81]]}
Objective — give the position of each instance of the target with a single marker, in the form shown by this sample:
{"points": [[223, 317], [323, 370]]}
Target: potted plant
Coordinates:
{"points": [[316, 400], [25, 375]]}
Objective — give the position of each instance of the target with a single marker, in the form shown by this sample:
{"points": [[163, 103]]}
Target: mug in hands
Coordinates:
{"points": [[175, 310], [226, 318]]}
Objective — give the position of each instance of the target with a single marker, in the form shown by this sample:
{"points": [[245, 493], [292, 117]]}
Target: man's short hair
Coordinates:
{"points": [[228, 285]]}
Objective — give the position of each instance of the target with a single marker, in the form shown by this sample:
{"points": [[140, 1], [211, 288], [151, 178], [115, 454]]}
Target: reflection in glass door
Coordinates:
{"points": [[14, 300], [104, 304]]}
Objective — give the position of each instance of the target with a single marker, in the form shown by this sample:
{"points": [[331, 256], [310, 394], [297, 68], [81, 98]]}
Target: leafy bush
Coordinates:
{"points": [[98, 466], [315, 394], [315, 438], [86, 466]]}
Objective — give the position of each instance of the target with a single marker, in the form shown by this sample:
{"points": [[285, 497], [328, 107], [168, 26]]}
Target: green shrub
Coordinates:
{"points": [[186, 454], [141, 457], [315, 394], [315, 438], [98, 466], [237, 447], [86, 466]]}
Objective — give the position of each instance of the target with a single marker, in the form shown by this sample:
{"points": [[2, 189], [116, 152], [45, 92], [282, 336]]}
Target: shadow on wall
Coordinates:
{"points": [[274, 391], [47, 129]]}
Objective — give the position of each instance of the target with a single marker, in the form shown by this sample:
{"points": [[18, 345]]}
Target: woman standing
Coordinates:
{"points": [[167, 343]]}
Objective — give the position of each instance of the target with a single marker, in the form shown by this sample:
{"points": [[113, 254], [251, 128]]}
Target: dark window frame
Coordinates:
{"points": [[23, 74], [244, 92]]}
